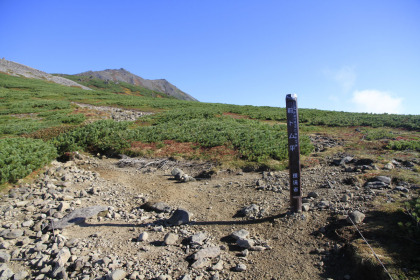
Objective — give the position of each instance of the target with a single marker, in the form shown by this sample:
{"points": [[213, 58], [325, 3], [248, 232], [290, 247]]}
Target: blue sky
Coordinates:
{"points": [[357, 56]]}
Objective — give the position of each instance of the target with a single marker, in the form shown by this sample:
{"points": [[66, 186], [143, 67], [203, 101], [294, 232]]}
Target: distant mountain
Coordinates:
{"points": [[122, 75], [16, 69]]}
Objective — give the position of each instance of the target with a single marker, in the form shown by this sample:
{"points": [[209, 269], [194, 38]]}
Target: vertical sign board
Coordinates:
{"points": [[294, 152]]}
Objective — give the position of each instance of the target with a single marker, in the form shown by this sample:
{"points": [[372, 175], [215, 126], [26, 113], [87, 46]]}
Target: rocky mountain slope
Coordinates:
{"points": [[16, 69], [160, 85]]}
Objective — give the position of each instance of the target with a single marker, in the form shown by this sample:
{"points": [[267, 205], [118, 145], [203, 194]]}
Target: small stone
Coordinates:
{"points": [[240, 234], [209, 252], [345, 198], [384, 179], [20, 275], [240, 267], [63, 206], [13, 234], [258, 248], [4, 257], [186, 277], [28, 223], [389, 166], [356, 216], [313, 194], [5, 272], [245, 253], [198, 238], [201, 263], [157, 207], [218, 266], [245, 243], [402, 189], [347, 277], [143, 236], [62, 257], [180, 217], [215, 276], [170, 238], [305, 207], [118, 274], [134, 275]]}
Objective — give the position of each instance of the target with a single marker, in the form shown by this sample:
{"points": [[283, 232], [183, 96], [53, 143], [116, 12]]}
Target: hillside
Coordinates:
{"points": [[98, 184], [16, 69], [122, 75]]}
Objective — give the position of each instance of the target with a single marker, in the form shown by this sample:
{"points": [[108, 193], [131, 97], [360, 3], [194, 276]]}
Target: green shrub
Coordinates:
{"points": [[21, 156], [101, 136], [379, 134], [404, 145]]}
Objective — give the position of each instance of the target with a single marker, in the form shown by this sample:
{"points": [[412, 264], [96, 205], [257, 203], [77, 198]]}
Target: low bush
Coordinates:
{"points": [[404, 145], [21, 156]]}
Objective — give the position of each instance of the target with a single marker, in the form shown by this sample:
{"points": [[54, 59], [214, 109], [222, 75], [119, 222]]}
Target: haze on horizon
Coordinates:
{"points": [[356, 56]]}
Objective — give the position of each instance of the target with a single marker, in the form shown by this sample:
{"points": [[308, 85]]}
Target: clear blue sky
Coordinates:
{"points": [[345, 55]]}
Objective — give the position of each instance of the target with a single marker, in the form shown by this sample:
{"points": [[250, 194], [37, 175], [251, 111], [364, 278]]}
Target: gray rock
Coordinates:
{"points": [[78, 216], [201, 263], [245, 243], [215, 276], [240, 267], [305, 207], [157, 207], [63, 206], [313, 194], [356, 216], [180, 217], [4, 257], [177, 173], [59, 272], [389, 166], [323, 204], [240, 234], [198, 238], [187, 178], [218, 266], [20, 275], [143, 236], [346, 160], [376, 185], [252, 210], [13, 234], [5, 272], [209, 252], [28, 223], [402, 189], [133, 276], [170, 238], [258, 248], [118, 274], [62, 257], [186, 277], [385, 179]]}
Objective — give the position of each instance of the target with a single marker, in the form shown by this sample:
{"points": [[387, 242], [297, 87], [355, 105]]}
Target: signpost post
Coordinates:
{"points": [[294, 152]]}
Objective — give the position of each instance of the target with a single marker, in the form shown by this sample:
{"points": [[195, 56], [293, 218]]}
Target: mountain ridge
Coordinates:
{"points": [[17, 69], [122, 75]]}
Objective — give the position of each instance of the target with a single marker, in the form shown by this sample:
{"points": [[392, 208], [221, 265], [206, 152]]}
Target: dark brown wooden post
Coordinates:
{"points": [[294, 152]]}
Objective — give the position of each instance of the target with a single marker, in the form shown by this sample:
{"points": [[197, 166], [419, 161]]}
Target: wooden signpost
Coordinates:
{"points": [[294, 152]]}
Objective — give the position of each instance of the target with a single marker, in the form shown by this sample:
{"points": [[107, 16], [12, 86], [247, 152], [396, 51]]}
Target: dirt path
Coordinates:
{"points": [[291, 240], [132, 240]]}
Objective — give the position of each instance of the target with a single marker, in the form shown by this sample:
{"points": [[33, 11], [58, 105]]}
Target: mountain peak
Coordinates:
{"points": [[160, 85]]}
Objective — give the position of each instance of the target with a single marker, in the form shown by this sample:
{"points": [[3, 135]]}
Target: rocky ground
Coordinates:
{"points": [[92, 218]]}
